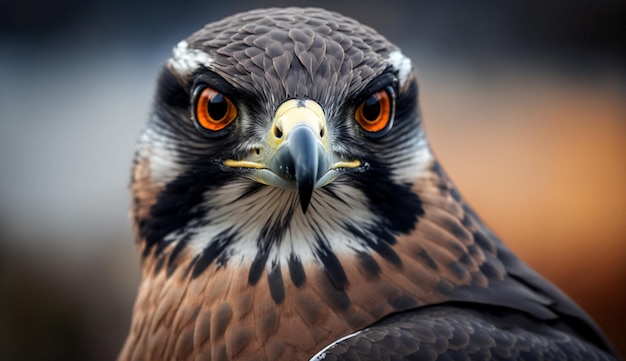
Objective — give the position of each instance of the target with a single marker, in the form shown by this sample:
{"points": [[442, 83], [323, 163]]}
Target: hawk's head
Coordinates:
{"points": [[280, 135]]}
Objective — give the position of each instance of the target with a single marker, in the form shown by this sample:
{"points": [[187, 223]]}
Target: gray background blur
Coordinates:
{"points": [[524, 102]]}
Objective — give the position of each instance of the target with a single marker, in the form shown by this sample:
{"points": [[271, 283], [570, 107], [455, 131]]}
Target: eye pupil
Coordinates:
{"points": [[371, 109], [217, 107]]}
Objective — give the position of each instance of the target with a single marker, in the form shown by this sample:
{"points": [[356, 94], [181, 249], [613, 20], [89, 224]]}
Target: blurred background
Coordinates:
{"points": [[524, 101]]}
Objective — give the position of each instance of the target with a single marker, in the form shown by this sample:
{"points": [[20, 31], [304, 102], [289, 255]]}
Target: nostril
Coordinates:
{"points": [[278, 133], [257, 151], [322, 132]]}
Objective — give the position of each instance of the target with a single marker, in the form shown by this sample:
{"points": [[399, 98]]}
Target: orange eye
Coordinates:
{"points": [[213, 110], [374, 114]]}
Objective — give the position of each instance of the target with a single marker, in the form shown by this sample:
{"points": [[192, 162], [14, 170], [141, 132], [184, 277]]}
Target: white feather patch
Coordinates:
{"points": [[163, 159], [402, 64], [271, 205], [186, 61], [406, 168]]}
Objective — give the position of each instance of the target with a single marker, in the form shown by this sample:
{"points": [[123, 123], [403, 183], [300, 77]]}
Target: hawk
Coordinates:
{"points": [[287, 206]]}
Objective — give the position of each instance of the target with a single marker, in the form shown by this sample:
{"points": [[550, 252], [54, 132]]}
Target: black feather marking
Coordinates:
{"points": [[369, 264], [380, 233], [171, 92], [443, 186], [160, 246], [159, 264], [457, 230], [215, 248], [489, 269], [444, 286], [252, 189], [332, 266], [275, 281], [177, 205], [455, 247], [404, 302], [428, 260], [397, 205], [257, 267], [385, 251], [378, 241], [457, 269], [271, 234], [467, 221], [191, 265], [296, 271], [171, 266], [473, 250], [330, 190], [222, 259], [466, 260], [483, 242], [336, 297], [456, 195]]}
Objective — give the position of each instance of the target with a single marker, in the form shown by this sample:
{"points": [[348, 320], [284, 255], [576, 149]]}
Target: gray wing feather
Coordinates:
{"points": [[458, 333]]}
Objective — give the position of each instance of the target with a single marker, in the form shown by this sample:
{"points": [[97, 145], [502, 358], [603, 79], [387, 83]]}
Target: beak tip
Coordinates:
{"points": [[305, 194], [304, 205]]}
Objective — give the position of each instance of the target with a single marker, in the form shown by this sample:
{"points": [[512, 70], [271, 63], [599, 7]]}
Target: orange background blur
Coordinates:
{"points": [[524, 103]]}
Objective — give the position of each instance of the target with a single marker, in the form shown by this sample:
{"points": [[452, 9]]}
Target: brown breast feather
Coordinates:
{"points": [[219, 315]]}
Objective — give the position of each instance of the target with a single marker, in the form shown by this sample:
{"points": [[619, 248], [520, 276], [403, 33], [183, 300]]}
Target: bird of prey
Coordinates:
{"points": [[287, 206]]}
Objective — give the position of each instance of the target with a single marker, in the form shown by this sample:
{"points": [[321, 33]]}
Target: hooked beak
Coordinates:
{"points": [[296, 154], [301, 158]]}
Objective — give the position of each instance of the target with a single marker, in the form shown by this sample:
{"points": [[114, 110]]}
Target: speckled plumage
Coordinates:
{"points": [[235, 269]]}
